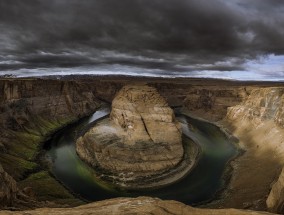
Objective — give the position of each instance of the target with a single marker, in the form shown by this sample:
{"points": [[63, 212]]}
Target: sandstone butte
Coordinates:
{"points": [[141, 138]]}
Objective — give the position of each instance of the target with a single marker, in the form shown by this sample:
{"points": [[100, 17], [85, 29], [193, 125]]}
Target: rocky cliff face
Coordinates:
{"points": [[258, 123], [29, 111], [141, 205], [211, 103], [10, 195], [141, 138], [262, 105], [275, 200]]}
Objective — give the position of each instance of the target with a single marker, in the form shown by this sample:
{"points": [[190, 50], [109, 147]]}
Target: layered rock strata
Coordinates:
{"points": [[262, 105], [141, 138], [258, 123], [30, 110], [10, 195]]}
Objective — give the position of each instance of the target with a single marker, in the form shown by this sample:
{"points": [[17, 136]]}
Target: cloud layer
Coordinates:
{"points": [[179, 35]]}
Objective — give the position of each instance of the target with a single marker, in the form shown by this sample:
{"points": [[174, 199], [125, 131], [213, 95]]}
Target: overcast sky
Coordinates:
{"points": [[208, 38]]}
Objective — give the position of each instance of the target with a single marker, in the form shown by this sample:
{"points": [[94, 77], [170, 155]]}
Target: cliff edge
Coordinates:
{"points": [[140, 205], [258, 124]]}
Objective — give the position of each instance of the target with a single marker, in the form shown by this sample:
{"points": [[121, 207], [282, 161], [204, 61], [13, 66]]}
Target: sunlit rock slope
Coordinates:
{"points": [[258, 123]]}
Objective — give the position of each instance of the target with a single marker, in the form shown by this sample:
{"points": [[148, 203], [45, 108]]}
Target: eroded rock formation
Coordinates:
{"points": [[262, 105], [146, 117], [257, 122], [141, 138], [211, 103], [10, 195], [30, 110], [141, 205], [275, 200]]}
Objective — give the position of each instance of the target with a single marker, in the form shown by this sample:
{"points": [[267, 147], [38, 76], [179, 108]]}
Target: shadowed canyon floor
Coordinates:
{"points": [[32, 110]]}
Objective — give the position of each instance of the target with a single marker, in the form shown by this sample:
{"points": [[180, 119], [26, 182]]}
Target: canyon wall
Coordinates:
{"points": [[10, 194], [211, 102], [262, 105], [258, 123], [208, 100], [141, 205], [275, 200], [30, 110]]}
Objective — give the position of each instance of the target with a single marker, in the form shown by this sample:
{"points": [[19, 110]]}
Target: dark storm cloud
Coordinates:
{"points": [[166, 34]]}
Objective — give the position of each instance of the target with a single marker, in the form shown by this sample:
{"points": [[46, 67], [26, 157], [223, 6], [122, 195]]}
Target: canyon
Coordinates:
{"points": [[31, 110]]}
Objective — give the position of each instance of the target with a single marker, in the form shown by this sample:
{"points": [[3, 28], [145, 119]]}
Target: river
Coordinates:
{"points": [[200, 185]]}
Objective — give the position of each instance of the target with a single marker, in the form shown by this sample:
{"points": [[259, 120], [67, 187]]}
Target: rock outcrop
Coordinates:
{"points": [[141, 138], [261, 106], [10, 195], [145, 116], [258, 124], [211, 103], [141, 205], [30, 109], [275, 200]]}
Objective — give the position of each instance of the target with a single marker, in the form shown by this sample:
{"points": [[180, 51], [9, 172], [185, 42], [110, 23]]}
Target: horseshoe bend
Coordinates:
{"points": [[140, 142], [65, 140]]}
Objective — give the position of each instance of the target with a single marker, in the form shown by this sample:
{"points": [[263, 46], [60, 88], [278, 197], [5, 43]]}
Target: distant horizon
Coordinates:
{"points": [[236, 39], [61, 73]]}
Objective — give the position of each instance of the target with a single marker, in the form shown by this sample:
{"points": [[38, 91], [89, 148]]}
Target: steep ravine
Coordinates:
{"points": [[31, 110]]}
